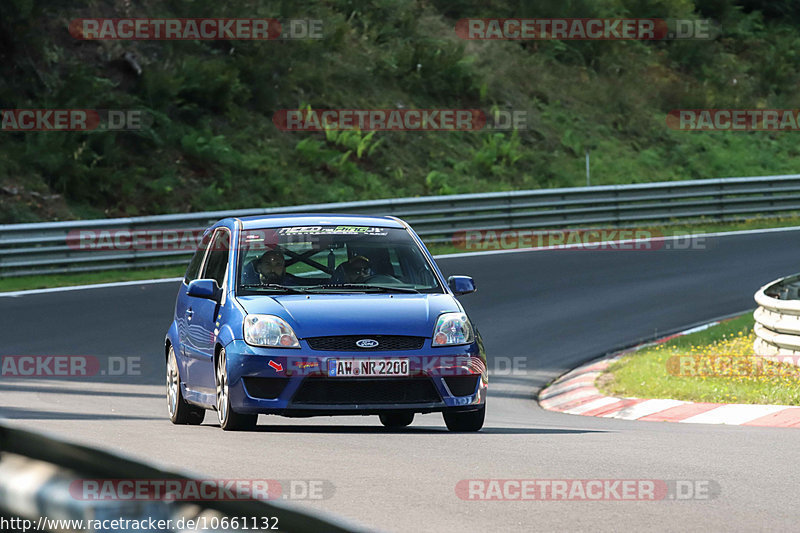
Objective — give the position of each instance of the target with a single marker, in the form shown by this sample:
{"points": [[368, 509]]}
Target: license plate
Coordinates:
{"points": [[339, 368]]}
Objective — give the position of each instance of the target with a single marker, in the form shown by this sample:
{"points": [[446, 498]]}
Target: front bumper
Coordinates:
{"points": [[294, 382]]}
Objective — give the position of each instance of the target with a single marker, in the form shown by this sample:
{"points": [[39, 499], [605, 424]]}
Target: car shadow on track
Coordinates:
{"points": [[79, 392], [15, 413], [520, 395], [379, 430]]}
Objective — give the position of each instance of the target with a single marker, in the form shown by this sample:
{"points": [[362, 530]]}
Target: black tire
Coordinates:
{"points": [[396, 420], [229, 420], [179, 411], [465, 421]]}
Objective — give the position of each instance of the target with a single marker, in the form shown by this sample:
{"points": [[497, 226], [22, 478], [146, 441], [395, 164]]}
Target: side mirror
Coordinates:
{"points": [[461, 284], [204, 288]]}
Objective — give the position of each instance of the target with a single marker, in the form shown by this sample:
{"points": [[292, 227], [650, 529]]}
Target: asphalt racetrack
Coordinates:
{"points": [[540, 313]]}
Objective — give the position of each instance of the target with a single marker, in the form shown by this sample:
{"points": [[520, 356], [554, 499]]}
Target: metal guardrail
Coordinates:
{"points": [[777, 326], [44, 247], [38, 473]]}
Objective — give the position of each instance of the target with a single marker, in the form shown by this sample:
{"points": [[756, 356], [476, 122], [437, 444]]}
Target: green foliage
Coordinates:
{"points": [[498, 150], [692, 368], [208, 148], [437, 183], [210, 142], [353, 140]]}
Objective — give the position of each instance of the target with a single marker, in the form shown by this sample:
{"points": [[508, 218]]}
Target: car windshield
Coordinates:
{"points": [[325, 259]]}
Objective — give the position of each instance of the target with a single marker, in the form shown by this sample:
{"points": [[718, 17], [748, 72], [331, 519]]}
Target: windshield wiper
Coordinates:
{"points": [[367, 287], [274, 286]]}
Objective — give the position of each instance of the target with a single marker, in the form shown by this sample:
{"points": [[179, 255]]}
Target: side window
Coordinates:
{"points": [[217, 261], [197, 259], [406, 263]]}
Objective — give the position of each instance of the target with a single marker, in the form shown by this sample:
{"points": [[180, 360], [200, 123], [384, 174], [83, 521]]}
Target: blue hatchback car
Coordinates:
{"points": [[310, 315]]}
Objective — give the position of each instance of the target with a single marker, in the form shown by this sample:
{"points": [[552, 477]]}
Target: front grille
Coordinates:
{"points": [[462, 385], [344, 391], [347, 343], [265, 388]]}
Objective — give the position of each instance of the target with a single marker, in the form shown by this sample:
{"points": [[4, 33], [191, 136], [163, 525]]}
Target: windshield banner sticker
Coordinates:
{"points": [[333, 230]]}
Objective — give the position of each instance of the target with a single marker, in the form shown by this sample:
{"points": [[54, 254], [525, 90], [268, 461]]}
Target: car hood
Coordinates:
{"points": [[318, 315]]}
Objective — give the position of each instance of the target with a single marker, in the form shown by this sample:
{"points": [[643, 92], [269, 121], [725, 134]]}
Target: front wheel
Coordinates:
{"points": [[180, 412], [229, 420], [465, 421]]}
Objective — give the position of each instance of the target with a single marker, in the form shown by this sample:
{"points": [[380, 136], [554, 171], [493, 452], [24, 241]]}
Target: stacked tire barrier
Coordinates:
{"points": [[777, 326]]}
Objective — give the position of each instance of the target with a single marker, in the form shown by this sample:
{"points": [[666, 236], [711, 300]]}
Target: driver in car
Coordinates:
{"points": [[269, 268], [358, 269]]}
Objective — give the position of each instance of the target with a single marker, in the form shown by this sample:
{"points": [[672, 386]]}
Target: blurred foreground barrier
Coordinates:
{"points": [[38, 477], [119, 243]]}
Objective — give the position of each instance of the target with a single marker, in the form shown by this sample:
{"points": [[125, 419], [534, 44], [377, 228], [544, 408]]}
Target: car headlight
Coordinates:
{"points": [[452, 329], [269, 330]]}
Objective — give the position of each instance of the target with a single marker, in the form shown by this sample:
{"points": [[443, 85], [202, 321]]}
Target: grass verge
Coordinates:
{"points": [[714, 365], [23, 283]]}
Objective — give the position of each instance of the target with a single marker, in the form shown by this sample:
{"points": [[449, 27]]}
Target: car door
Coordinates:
{"points": [[183, 302], [203, 316]]}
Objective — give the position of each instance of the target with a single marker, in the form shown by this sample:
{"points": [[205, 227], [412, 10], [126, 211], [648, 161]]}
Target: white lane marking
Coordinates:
{"points": [[645, 408], [624, 241], [566, 398], [437, 257], [85, 287], [698, 328], [734, 414], [586, 368], [566, 386], [602, 402]]}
